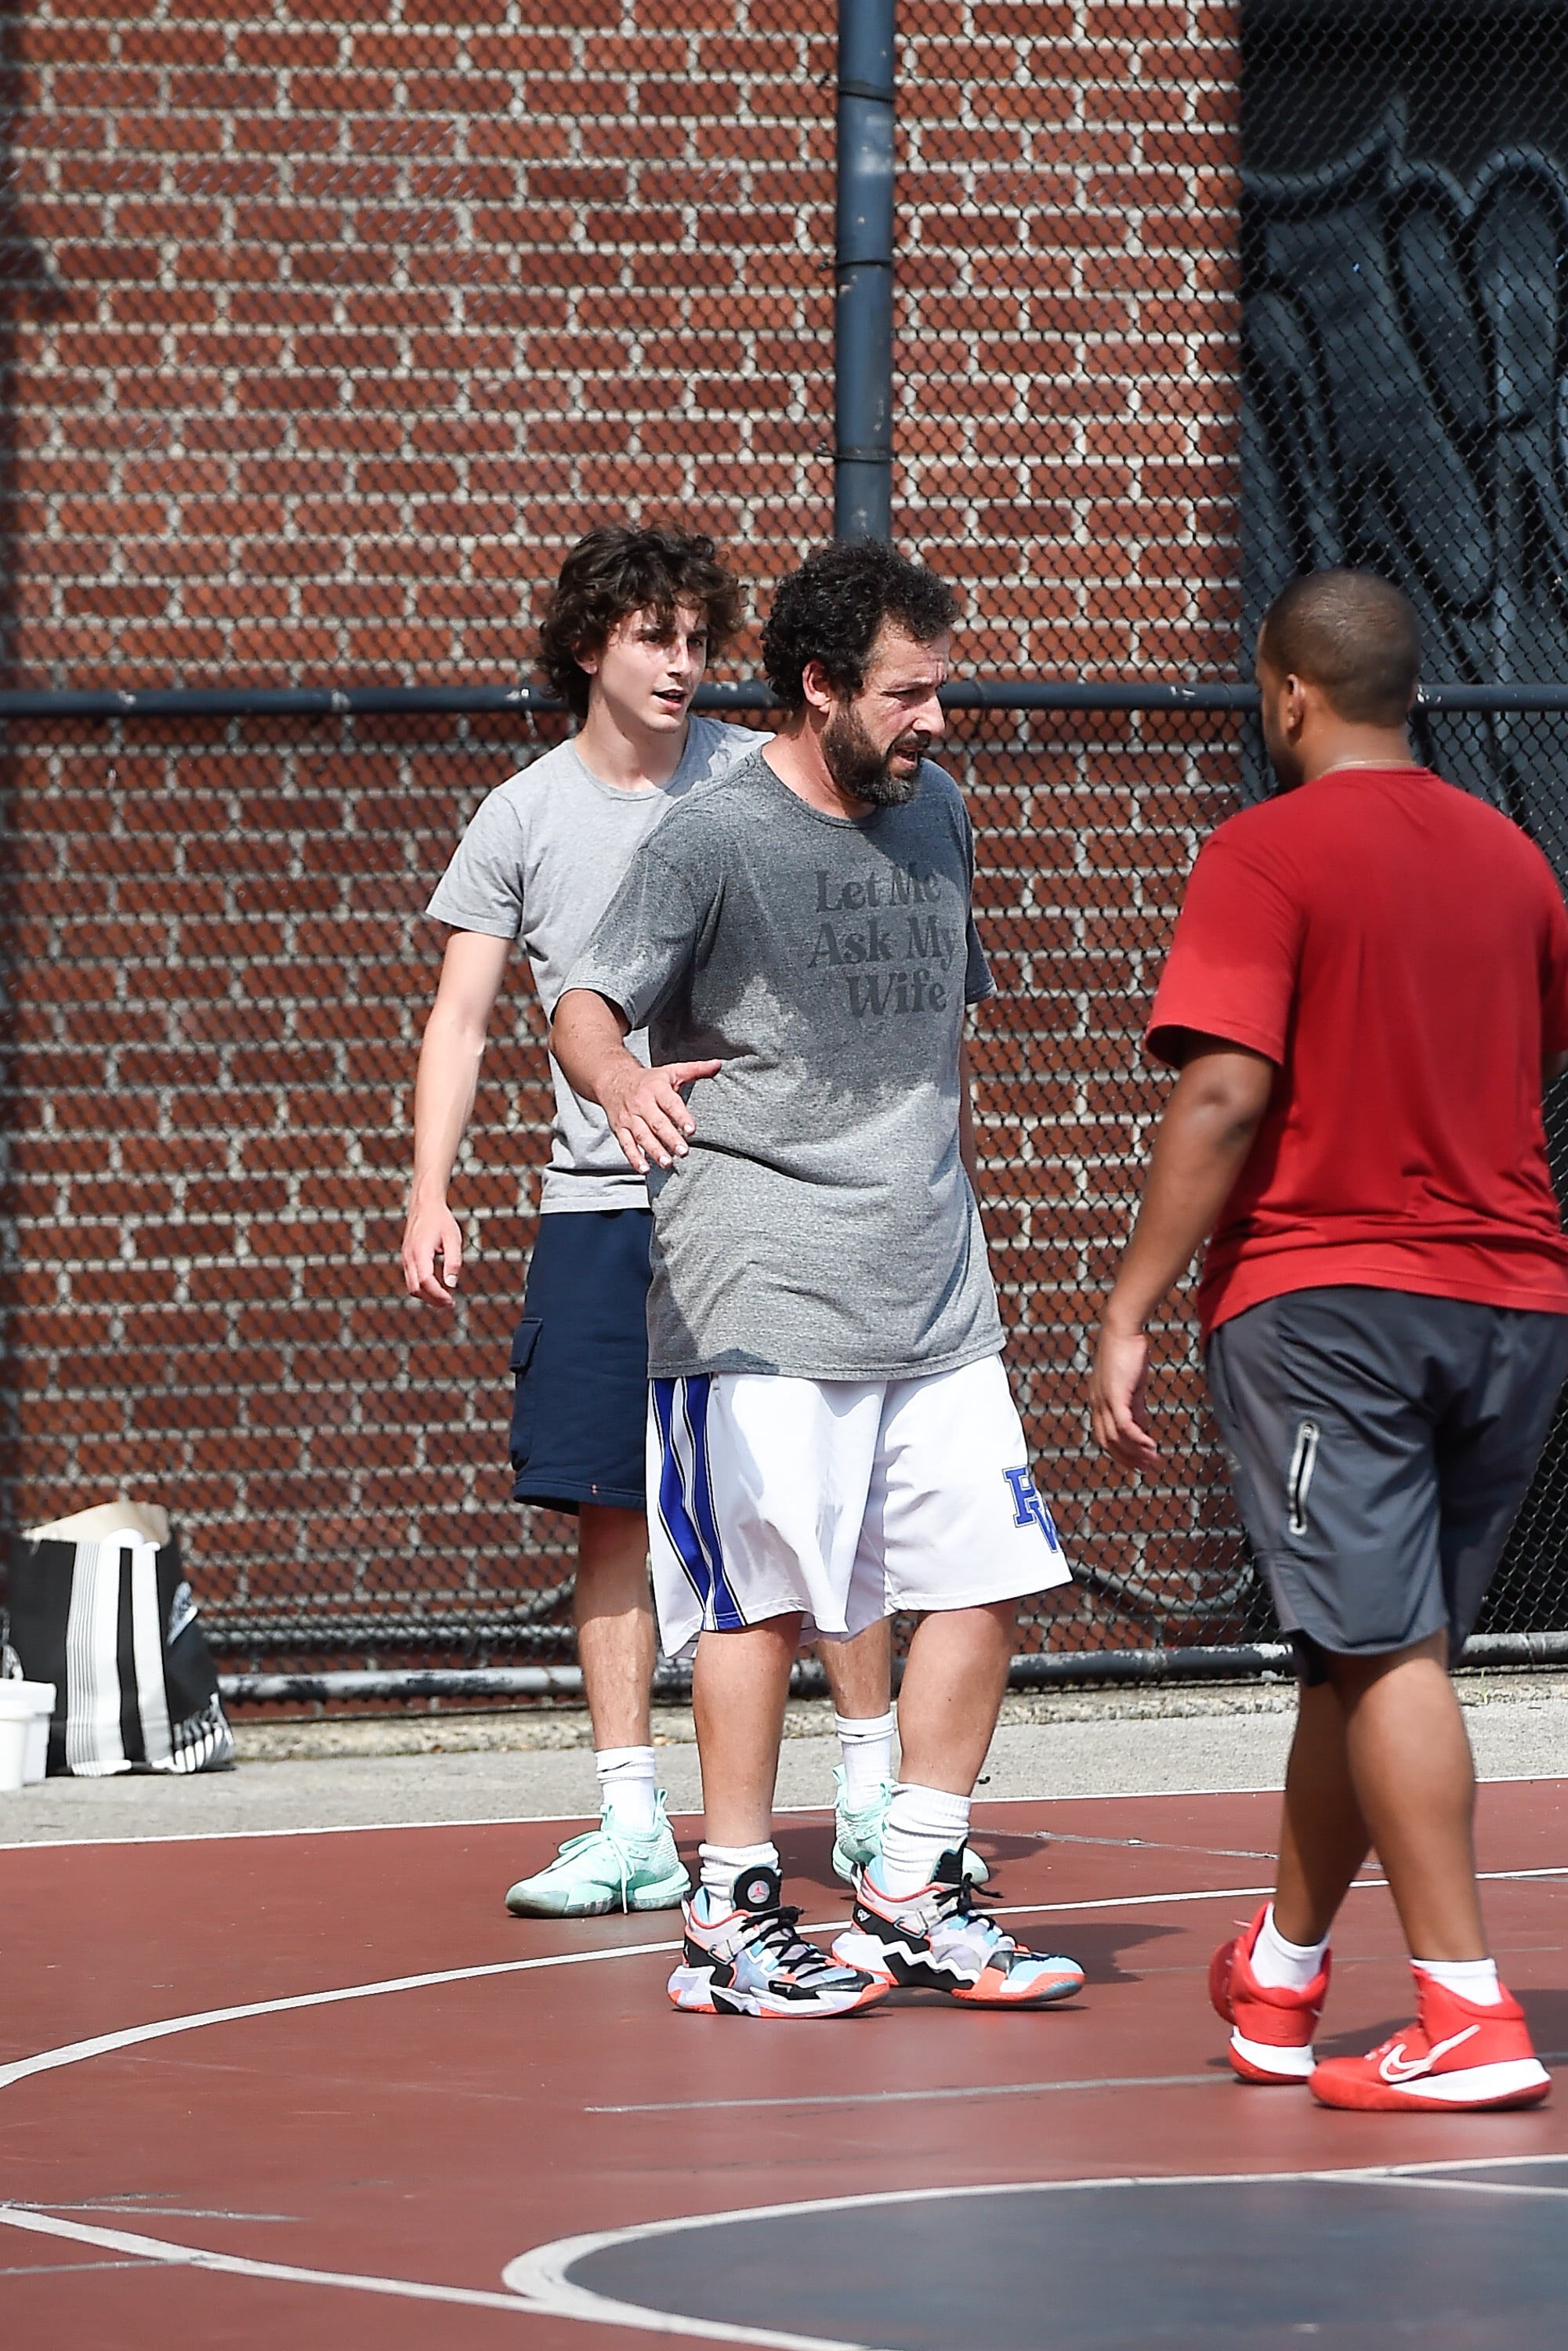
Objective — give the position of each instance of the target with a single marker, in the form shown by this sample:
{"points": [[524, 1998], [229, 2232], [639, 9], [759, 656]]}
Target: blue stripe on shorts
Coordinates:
{"points": [[690, 1524], [727, 1615]]}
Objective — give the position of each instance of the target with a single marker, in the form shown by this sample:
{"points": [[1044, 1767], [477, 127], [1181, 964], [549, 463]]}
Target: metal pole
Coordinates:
{"points": [[863, 322], [1246, 1663]]}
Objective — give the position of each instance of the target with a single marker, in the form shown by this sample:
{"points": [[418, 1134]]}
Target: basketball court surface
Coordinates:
{"points": [[319, 2089]]}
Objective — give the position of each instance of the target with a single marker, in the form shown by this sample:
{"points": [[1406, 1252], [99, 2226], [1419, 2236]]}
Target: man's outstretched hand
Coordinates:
{"points": [[647, 1115], [1117, 1413]]}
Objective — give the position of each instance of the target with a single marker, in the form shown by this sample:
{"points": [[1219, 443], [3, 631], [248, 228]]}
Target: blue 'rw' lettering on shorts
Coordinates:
{"points": [[1029, 1507]]}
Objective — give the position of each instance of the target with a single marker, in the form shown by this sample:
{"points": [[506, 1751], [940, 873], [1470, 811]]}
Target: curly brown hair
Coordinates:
{"points": [[616, 571], [831, 610]]}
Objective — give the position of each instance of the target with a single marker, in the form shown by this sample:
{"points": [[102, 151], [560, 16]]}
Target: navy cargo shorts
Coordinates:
{"points": [[580, 1363]]}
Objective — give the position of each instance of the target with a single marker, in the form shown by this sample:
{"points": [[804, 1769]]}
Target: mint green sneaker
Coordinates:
{"points": [[857, 1838], [606, 1870]]}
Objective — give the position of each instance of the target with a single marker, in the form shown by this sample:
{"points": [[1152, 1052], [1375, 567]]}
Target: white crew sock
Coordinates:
{"points": [[1473, 1980], [722, 1865], [628, 1788], [866, 1746], [1288, 1967], [923, 1824]]}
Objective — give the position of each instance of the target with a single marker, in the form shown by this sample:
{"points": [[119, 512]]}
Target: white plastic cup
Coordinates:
{"points": [[37, 1765], [13, 1751], [27, 1706]]}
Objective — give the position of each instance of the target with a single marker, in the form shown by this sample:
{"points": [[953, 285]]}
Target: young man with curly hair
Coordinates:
{"points": [[832, 1436], [624, 641]]}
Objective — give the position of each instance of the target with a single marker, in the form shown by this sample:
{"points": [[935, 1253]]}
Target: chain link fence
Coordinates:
{"points": [[326, 332], [218, 986]]}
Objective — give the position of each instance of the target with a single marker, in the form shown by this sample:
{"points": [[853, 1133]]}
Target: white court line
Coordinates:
{"points": [[537, 2283], [104, 2044], [533, 2288], [194, 2257], [76, 2052], [65, 2269], [910, 2097], [1489, 2187], [541, 2274], [1225, 2080], [578, 1820], [147, 2207]]}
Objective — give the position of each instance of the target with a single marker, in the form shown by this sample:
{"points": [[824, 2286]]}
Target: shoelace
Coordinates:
{"points": [[958, 1903], [774, 1932], [606, 1835]]}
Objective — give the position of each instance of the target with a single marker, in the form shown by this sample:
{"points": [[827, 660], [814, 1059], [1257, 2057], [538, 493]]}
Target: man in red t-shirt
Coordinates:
{"points": [[1367, 988]]}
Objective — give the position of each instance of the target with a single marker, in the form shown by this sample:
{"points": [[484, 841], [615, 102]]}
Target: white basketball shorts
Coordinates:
{"points": [[839, 1499]]}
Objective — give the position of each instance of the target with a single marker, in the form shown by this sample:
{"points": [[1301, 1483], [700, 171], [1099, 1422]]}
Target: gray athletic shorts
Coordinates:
{"points": [[1380, 1445]]}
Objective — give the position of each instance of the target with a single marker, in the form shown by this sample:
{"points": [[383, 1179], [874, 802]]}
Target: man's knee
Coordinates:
{"points": [[612, 1539], [1350, 1675]]}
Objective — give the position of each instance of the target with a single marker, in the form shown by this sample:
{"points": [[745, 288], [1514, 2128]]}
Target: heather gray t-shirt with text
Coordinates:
{"points": [[540, 861], [822, 1225]]}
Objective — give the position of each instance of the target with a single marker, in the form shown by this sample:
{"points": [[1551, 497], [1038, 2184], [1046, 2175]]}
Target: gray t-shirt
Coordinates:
{"points": [[540, 861], [822, 1225]]}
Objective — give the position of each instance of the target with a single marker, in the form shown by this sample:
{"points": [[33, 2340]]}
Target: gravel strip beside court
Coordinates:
{"points": [[1233, 1738]]}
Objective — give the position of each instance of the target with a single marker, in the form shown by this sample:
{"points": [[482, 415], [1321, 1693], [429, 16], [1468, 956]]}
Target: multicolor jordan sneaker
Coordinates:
{"points": [[1272, 2028], [746, 1960], [1457, 2054], [858, 1831], [935, 1940], [607, 1869]]}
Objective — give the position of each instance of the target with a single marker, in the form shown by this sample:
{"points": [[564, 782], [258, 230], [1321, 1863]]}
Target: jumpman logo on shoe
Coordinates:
{"points": [[1396, 2067]]}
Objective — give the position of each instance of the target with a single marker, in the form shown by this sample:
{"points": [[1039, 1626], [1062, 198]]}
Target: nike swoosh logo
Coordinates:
{"points": [[1398, 2067]]}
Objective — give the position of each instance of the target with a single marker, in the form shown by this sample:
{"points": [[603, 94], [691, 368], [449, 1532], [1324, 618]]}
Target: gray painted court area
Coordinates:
{"points": [[1480, 2259], [345, 1773]]}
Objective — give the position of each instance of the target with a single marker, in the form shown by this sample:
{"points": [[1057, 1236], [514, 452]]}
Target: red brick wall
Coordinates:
{"points": [[335, 326], [1068, 408], [333, 332], [220, 970], [342, 327]]}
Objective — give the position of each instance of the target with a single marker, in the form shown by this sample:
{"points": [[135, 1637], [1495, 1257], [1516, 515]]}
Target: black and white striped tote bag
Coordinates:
{"points": [[99, 1605]]}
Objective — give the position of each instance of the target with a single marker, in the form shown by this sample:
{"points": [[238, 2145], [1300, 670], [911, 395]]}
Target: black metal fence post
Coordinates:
{"points": [[862, 317]]}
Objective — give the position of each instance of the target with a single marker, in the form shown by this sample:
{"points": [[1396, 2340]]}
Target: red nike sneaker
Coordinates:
{"points": [[1458, 2053], [1270, 2028]]}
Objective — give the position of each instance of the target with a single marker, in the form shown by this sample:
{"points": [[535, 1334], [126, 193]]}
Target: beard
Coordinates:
{"points": [[859, 768]]}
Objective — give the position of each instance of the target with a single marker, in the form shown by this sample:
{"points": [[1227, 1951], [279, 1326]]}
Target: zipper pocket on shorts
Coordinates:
{"points": [[1299, 1477]]}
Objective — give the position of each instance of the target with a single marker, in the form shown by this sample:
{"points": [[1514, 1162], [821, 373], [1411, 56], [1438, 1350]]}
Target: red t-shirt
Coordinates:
{"points": [[1401, 951]]}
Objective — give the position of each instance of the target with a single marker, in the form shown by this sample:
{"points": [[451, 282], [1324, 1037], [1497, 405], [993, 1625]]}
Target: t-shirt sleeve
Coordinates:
{"points": [[1554, 974], [482, 888], [978, 981], [1231, 970], [646, 938]]}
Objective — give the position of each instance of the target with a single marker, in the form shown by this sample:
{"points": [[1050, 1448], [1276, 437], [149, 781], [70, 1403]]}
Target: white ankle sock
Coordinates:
{"points": [[923, 1824], [1473, 1980], [722, 1865], [1288, 1967], [866, 1746], [628, 1787]]}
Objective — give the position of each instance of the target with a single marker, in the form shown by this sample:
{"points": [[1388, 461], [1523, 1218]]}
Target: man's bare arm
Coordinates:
{"points": [[1201, 1146], [649, 1119], [449, 1058]]}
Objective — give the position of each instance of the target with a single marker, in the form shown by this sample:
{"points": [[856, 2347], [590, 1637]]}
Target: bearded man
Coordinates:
{"points": [[831, 1437]]}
